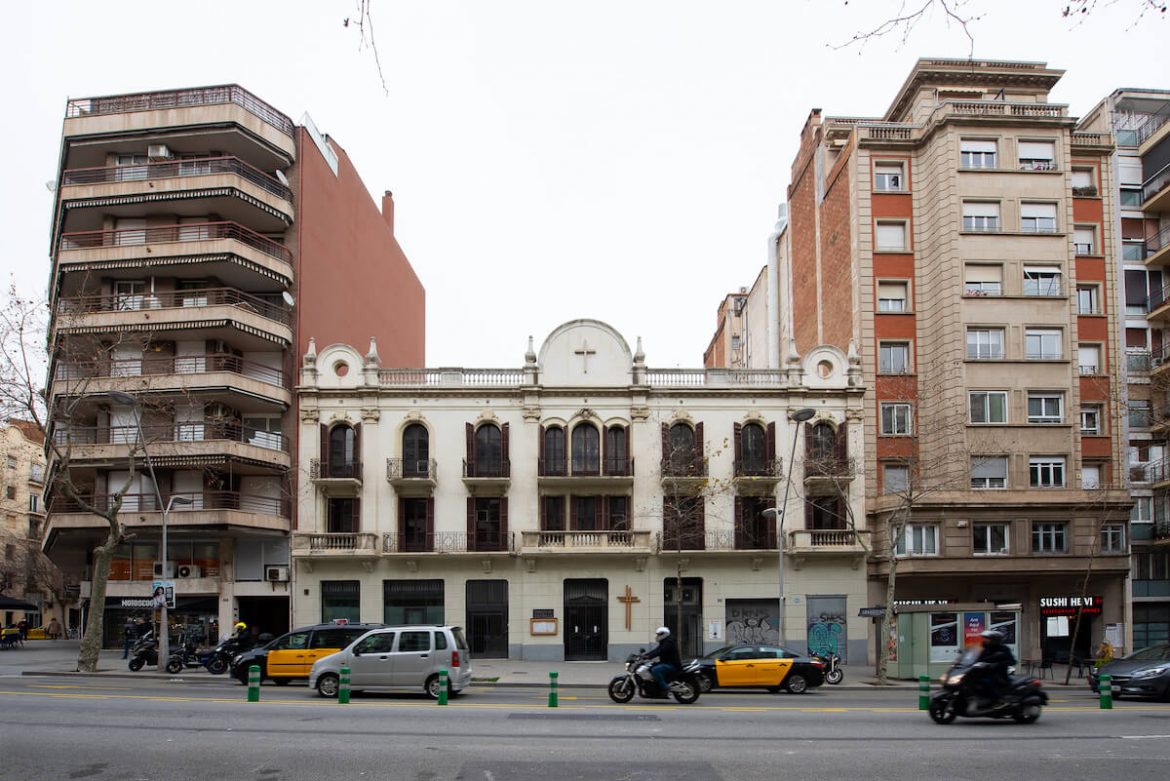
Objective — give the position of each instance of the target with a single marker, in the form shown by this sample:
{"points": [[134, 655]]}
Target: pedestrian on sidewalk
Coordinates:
{"points": [[129, 635], [53, 629]]}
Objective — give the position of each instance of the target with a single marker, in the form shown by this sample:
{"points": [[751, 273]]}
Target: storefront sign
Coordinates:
{"points": [[128, 602], [915, 602], [1069, 606], [871, 612]]}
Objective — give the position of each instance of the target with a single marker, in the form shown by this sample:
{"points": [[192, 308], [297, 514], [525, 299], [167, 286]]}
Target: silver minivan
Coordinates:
{"points": [[398, 657]]}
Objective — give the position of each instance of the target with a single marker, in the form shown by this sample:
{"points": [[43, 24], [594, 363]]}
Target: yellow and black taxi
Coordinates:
{"points": [[763, 666], [290, 657]]}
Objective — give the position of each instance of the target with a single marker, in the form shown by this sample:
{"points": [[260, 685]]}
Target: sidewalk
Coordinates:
{"points": [[59, 658]]}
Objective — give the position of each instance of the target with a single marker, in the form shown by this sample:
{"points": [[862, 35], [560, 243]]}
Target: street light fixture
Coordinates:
{"points": [[800, 416], [164, 638]]}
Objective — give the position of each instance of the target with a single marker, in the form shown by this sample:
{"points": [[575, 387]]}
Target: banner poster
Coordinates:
{"points": [[973, 626]]}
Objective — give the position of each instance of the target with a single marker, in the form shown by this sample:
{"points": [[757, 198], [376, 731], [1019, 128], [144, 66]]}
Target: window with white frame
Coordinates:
{"points": [[980, 216], [897, 419], [1088, 300], [1089, 358], [1038, 217], [893, 358], [985, 344], [989, 472], [1049, 537], [1143, 509], [1043, 344], [1113, 538], [892, 297], [887, 177], [1037, 155], [895, 478], [982, 280], [918, 539], [990, 539], [1084, 182], [988, 406], [977, 153], [1046, 471], [891, 236], [1045, 407], [1084, 240], [1042, 280], [1090, 476], [1091, 419]]}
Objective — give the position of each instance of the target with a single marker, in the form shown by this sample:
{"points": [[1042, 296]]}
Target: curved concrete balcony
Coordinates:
{"points": [[489, 477], [208, 510], [342, 478], [227, 250], [176, 445]]}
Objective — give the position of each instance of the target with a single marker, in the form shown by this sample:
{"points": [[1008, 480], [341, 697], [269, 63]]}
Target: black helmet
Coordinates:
{"points": [[992, 636]]}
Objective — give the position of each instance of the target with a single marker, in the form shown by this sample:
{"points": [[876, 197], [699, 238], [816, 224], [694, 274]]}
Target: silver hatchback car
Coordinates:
{"points": [[398, 657]]}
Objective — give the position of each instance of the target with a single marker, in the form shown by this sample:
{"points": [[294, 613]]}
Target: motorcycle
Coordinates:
{"points": [[832, 662], [143, 652], [190, 656], [639, 680], [1021, 701]]}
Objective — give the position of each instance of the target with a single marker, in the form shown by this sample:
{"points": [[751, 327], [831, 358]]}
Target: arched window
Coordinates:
{"points": [[586, 450], [489, 449], [682, 449], [343, 457], [822, 443], [416, 451], [554, 451], [616, 451], [753, 449]]}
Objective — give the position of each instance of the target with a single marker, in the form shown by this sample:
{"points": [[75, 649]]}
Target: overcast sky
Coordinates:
{"points": [[620, 160]]}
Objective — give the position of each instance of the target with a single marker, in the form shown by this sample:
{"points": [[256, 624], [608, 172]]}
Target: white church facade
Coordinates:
{"points": [[564, 509]]}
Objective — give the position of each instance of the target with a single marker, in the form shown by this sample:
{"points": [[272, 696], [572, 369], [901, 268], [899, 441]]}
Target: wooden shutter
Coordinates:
{"points": [[401, 524], [737, 438], [504, 523], [324, 450], [356, 467], [541, 433], [505, 469], [770, 442], [842, 442], [666, 454], [357, 515], [429, 543], [470, 431], [699, 466], [738, 512], [809, 445], [470, 521], [572, 500]]}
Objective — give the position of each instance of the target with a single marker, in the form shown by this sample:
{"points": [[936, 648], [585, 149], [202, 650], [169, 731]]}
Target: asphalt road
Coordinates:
{"points": [[79, 728]]}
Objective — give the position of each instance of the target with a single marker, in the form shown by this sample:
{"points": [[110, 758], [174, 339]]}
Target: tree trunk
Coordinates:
{"points": [[91, 641], [888, 619]]}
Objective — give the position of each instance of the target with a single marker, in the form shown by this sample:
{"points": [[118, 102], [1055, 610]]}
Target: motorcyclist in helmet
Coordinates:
{"points": [[998, 658], [669, 662], [243, 637]]}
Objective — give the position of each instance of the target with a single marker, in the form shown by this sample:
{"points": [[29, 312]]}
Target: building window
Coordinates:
{"points": [[34, 503], [989, 472], [989, 539], [1143, 509], [416, 451], [1046, 471], [918, 539], [1089, 358], [1037, 155], [1043, 344], [896, 419], [11, 461], [892, 297], [1038, 217], [586, 449], [1084, 241], [1049, 537], [893, 358], [1131, 198], [1091, 419], [1045, 408], [343, 460], [1140, 413], [887, 177], [1142, 286], [1088, 300], [343, 515], [981, 280], [553, 458], [1041, 281], [341, 599], [617, 460], [980, 216], [412, 602], [891, 237], [552, 513], [985, 344], [895, 478], [1090, 476], [1134, 251], [1084, 182], [489, 451], [10, 492], [988, 406], [977, 153]]}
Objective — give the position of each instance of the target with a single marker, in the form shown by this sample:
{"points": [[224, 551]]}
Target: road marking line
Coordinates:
{"points": [[1143, 737]]}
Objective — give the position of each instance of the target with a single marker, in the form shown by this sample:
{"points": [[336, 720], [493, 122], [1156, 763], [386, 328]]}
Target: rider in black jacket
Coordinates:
{"points": [[998, 658], [666, 652]]}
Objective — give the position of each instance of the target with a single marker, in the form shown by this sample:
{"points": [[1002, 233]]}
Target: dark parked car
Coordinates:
{"points": [[765, 666], [291, 656], [1144, 673]]}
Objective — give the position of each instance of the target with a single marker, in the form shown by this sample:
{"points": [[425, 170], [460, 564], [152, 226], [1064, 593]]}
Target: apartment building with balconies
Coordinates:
{"points": [[552, 509], [198, 237], [964, 244]]}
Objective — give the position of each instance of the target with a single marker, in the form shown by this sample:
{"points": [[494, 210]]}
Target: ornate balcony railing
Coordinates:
{"points": [[487, 469], [334, 470], [580, 540], [605, 467], [411, 468], [448, 542], [151, 365], [175, 299], [198, 500], [770, 467], [335, 542], [683, 468], [200, 231], [829, 467], [198, 166], [184, 98], [207, 431]]}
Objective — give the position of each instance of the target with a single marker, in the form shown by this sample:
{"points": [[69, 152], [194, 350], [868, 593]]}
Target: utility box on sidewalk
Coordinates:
{"points": [[928, 638]]}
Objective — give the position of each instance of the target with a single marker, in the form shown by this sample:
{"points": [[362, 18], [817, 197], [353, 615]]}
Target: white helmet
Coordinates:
{"points": [[661, 632]]}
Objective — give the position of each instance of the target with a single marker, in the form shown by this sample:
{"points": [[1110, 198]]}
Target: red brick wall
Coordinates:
{"points": [[803, 248], [837, 256]]}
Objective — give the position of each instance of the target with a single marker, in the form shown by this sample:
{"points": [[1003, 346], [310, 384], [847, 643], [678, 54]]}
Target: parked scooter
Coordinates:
{"points": [[1021, 701], [143, 652], [833, 672], [639, 680], [189, 656]]}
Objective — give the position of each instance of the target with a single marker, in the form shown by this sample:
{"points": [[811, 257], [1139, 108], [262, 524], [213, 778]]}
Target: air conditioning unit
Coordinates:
{"points": [[167, 572], [276, 574], [158, 152], [189, 571]]}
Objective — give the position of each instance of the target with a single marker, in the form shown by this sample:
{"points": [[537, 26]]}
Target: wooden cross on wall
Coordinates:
{"points": [[628, 599]]}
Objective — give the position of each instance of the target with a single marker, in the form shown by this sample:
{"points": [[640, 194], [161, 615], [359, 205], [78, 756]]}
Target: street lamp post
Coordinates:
{"points": [[164, 639], [800, 416]]}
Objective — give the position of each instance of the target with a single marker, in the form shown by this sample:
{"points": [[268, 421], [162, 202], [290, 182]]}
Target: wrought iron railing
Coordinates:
{"points": [[484, 541], [830, 467], [206, 431], [683, 467], [200, 231], [184, 98], [175, 299], [411, 468], [170, 169], [197, 500], [610, 466], [770, 467], [487, 469], [320, 469]]}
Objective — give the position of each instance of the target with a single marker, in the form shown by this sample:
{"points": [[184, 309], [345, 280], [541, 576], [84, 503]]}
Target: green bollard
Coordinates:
{"points": [[442, 685], [552, 689], [1105, 689], [924, 692], [343, 687], [254, 683]]}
